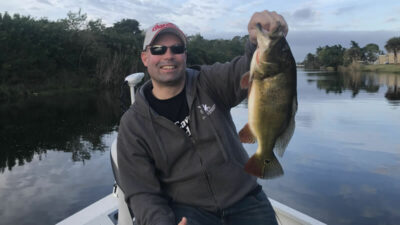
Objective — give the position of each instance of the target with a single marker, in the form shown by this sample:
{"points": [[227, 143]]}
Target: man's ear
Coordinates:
{"points": [[144, 58]]}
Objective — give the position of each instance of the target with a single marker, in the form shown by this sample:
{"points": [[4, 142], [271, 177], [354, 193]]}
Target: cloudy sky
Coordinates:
{"points": [[312, 23]]}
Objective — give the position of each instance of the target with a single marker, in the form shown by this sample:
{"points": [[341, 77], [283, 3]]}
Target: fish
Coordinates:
{"points": [[272, 102]]}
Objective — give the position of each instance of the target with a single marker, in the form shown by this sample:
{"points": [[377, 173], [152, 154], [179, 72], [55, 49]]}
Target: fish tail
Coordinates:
{"points": [[263, 168]]}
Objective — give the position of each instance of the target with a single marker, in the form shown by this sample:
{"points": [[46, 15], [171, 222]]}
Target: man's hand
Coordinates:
{"points": [[183, 221], [268, 20]]}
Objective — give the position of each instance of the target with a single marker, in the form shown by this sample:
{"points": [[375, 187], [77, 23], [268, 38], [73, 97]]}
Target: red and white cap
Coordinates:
{"points": [[161, 28]]}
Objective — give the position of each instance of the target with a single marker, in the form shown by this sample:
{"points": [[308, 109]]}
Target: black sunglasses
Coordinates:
{"points": [[160, 49]]}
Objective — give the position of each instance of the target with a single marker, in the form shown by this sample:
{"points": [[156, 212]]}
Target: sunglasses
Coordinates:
{"points": [[160, 49]]}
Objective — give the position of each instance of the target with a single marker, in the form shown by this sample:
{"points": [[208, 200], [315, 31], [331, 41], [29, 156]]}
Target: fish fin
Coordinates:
{"points": [[284, 139], [263, 168], [246, 136], [245, 81]]}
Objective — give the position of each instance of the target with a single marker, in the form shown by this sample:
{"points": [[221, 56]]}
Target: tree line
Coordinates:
{"points": [[39, 55], [336, 55]]}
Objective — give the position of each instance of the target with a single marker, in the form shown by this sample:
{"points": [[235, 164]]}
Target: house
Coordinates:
{"points": [[388, 59]]}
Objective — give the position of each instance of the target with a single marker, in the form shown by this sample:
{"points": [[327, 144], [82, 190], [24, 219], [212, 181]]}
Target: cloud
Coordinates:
{"points": [[368, 189], [345, 10], [345, 190], [28, 192], [391, 20], [247, 6], [145, 12], [199, 16], [305, 17], [45, 2], [304, 14]]}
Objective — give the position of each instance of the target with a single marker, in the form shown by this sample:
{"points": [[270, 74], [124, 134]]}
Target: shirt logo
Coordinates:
{"points": [[184, 125], [206, 110]]}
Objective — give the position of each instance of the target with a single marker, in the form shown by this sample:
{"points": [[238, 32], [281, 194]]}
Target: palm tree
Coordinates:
{"points": [[393, 45]]}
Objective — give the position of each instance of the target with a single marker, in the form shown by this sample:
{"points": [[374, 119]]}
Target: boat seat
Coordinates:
{"points": [[125, 214]]}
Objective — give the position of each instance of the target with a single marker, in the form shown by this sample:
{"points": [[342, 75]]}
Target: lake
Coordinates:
{"points": [[342, 165]]}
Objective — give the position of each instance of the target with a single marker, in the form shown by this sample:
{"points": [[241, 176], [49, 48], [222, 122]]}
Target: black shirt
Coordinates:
{"points": [[175, 109]]}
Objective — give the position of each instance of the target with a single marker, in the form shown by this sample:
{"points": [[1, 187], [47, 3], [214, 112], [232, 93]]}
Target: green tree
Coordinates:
{"points": [[354, 53], [127, 26], [202, 51], [331, 56], [42, 55], [197, 50], [123, 43], [311, 62], [371, 52], [75, 21], [95, 26], [393, 45]]}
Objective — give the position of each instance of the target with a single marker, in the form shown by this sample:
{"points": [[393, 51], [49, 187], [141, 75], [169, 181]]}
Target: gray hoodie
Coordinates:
{"points": [[158, 162]]}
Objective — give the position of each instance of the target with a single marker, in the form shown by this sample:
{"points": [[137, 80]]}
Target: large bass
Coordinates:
{"points": [[272, 102]]}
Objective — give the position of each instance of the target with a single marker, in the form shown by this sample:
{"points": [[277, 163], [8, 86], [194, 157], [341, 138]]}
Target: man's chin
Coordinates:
{"points": [[173, 81]]}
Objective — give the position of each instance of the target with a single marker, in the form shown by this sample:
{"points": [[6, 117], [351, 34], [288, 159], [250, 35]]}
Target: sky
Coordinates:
{"points": [[312, 23]]}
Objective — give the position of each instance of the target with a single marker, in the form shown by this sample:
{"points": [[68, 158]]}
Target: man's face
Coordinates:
{"points": [[167, 69]]}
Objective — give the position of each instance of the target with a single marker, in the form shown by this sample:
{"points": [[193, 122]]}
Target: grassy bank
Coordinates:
{"points": [[355, 67], [387, 68]]}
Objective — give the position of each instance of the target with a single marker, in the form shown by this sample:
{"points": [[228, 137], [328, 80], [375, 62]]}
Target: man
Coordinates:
{"points": [[179, 156]]}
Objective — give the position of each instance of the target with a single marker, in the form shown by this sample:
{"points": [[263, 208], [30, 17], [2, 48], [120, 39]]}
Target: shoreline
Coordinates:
{"points": [[381, 68], [387, 68]]}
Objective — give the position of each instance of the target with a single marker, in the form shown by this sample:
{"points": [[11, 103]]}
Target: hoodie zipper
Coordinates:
{"points": [[191, 105], [206, 174], [193, 143]]}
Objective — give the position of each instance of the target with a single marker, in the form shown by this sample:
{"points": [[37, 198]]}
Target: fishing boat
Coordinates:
{"points": [[113, 210], [106, 212]]}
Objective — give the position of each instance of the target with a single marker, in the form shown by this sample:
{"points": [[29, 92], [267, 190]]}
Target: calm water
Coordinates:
{"points": [[342, 165]]}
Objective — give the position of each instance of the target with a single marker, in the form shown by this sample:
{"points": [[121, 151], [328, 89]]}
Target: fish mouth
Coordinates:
{"points": [[259, 27], [277, 32]]}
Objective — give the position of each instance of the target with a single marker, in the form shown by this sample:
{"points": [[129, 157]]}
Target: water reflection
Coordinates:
{"points": [[393, 92], [341, 166], [333, 82], [73, 122]]}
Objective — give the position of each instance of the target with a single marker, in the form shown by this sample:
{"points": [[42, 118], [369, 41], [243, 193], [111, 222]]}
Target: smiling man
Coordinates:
{"points": [[164, 55], [180, 159]]}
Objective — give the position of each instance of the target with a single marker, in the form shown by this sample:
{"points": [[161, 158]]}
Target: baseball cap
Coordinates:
{"points": [[161, 28]]}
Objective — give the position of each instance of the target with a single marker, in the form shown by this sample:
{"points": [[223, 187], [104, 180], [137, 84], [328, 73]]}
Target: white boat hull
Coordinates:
{"points": [[103, 212]]}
